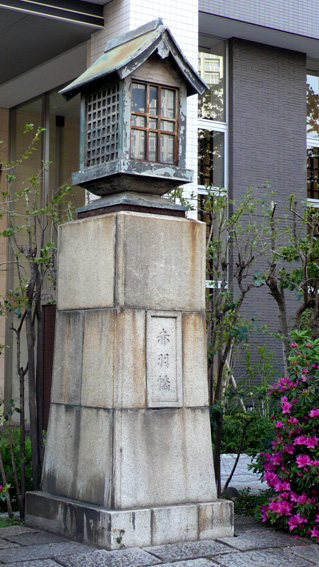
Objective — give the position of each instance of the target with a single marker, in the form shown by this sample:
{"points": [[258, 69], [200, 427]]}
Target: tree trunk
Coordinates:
{"points": [[32, 402], [217, 452]]}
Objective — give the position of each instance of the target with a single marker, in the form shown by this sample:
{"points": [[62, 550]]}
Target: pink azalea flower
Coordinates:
{"points": [[301, 440], [311, 442], [296, 521], [303, 461], [276, 458], [294, 345], [285, 405], [293, 420], [302, 499], [289, 448], [314, 413], [314, 532]]}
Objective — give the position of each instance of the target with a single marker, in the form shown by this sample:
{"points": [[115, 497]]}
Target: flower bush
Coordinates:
{"points": [[291, 469]]}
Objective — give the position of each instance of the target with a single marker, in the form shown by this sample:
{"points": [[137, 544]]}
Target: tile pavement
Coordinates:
{"points": [[254, 545]]}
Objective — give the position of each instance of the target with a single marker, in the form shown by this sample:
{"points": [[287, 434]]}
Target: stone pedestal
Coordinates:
{"points": [[128, 455]]}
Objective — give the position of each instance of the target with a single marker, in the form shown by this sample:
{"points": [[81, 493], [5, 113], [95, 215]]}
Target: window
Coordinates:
{"points": [[312, 173], [210, 158], [313, 105], [312, 138], [154, 123], [211, 67]]}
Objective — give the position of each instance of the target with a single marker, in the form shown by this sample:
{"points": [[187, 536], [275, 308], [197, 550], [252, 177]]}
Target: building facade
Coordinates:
{"points": [[259, 119]]}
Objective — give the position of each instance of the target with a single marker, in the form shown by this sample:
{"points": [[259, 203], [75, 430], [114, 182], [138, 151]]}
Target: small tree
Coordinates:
{"points": [[31, 234], [294, 269], [235, 242]]}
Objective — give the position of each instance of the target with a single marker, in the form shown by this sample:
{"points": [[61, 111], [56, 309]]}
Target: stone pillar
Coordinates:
{"points": [[128, 456]]}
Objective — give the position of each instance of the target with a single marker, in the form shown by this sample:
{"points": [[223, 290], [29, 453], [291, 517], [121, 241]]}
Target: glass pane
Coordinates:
{"points": [[138, 97], [138, 120], [137, 144], [153, 100], [211, 158], [167, 125], [312, 173], [152, 146], [211, 67], [167, 148], [153, 123], [168, 103], [312, 106]]}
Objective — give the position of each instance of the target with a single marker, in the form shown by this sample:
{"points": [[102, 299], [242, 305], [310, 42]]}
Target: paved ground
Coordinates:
{"points": [[242, 478], [254, 545]]}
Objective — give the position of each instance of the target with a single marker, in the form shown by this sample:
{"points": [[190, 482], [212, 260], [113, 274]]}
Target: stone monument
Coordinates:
{"points": [[128, 457]]}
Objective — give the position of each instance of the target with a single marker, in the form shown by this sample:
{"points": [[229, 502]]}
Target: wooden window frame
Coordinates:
{"points": [[159, 118]]}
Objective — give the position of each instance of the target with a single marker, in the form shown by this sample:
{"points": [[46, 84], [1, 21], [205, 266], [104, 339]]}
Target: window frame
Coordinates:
{"points": [[158, 131]]}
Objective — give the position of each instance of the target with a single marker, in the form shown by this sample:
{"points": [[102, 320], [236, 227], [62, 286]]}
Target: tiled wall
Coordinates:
{"points": [[267, 142], [294, 16], [181, 16]]}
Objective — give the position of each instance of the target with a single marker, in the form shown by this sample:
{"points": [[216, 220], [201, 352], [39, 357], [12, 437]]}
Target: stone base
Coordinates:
{"points": [[140, 527]]}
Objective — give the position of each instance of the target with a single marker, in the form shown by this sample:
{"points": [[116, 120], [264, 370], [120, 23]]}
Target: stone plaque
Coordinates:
{"points": [[164, 359]]}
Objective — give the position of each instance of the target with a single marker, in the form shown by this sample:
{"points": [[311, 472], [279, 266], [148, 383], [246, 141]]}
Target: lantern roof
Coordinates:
{"points": [[127, 52]]}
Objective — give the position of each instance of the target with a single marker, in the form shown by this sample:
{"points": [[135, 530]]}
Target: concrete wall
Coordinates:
{"points": [[267, 141]]}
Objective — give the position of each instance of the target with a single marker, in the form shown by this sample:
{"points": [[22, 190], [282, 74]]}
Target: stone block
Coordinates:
{"points": [[107, 528], [167, 273], [124, 558], [45, 512], [81, 437], [45, 551], [12, 531], [310, 552], [36, 538], [87, 263], [261, 558], [35, 563], [98, 358], [163, 263], [113, 529], [67, 365], [216, 519], [248, 540], [194, 360], [174, 523], [162, 457], [188, 550], [7, 544]]}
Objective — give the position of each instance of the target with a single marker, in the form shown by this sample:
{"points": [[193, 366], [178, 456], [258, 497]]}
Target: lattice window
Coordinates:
{"points": [[102, 118]]}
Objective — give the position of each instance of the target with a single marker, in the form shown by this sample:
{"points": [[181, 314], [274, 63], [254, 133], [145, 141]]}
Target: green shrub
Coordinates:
{"points": [[247, 504], [6, 456], [258, 437]]}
